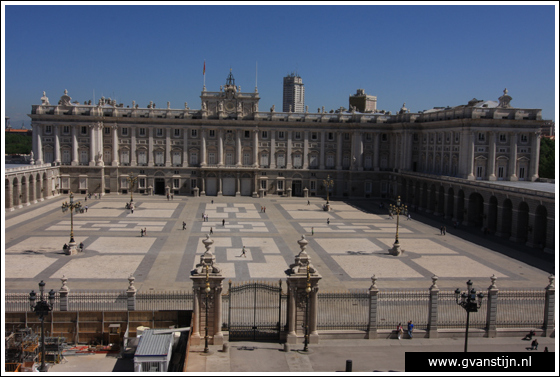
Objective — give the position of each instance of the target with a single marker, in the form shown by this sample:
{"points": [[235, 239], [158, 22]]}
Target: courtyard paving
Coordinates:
{"points": [[346, 250]]}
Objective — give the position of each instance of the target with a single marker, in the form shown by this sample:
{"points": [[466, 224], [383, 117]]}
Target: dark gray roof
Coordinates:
{"points": [[153, 344]]}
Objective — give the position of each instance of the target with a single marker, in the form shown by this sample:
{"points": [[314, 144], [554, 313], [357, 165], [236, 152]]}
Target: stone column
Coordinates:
{"points": [[99, 152], [185, 148], [360, 150], [56, 145], [75, 157], [115, 146], [434, 153], [63, 294], [492, 308], [549, 303], [373, 295], [202, 147], [289, 151], [433, 309], [150, 146], [35, 129], [513, 158], [376, 151], [492, 157], [220, 148], [167, 146], [305, 149], [133, 161], [39, 141], [131, 294], [535, 152], [338, 162], [322, 153], [302, 281], [207, 286], [239, 161], [92, 145], [272, 150], [470, 157], [255, 148]]}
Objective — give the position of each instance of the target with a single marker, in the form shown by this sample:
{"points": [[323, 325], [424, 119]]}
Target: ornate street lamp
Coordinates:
{"points": [[328, 184], [397, 209], [307, 291], [71, 206], [469, 301], [42, 309], [207, 290], [131, 181]]}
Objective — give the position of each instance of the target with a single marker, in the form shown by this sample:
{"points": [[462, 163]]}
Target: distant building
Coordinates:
{"points": [[294, 94], [363, 102]]}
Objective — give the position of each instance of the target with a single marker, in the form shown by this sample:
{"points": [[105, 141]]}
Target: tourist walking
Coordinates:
{"points": [[444, 229], [184, 225], [328, 221], [312, 231], [410, 329], [145, 233], [211, 230], [408, 217], [86, 208], [243, 253], [223, 222], [534, 345], [141, 232], [399, 331], [441, 230], [308, 203]]}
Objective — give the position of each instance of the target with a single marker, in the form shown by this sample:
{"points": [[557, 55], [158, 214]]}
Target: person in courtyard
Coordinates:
{"points": [[184, 225], [65, 247], [308, 203], [312, 231], [81, 246], [86, 208], [441, 230], [534, 345], [223, 222], [328, 221], [144, 231], [141, 232], [410, 329], [408, 217], [545, 349], [243, 253], [211, 230], [444, 230], [399, 331], [530, 335]]}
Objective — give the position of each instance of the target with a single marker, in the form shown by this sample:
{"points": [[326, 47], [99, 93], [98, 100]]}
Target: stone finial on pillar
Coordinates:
{"points": [[373, 282], [373, 297], [131, 294], [433, 309], [63, 294], [492, 308], [549, 306]]}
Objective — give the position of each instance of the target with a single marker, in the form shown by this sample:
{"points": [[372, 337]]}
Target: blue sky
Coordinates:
{"points": [[425, 55]]}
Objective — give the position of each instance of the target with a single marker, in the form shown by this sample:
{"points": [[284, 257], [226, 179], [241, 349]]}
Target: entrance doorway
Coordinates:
{"points": [[159, 186], [296, 188]]}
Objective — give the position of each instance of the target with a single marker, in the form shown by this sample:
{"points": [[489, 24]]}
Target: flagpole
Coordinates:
{"points": [[204, 76]]}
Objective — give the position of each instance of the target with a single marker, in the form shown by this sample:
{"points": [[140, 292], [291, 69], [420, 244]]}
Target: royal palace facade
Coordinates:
{"points": [[230, 147]]}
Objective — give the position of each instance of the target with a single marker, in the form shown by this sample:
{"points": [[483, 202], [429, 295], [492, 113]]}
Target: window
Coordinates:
{"points": [[330, 161], [313, 161], [346, 136], [415, 137], [212, 133], [481, 136], [367, 161], [194, 133], [176, 183], [330, 136], [142, 158], [263, 184], [367, 187], [383, 137], [479, 172], [368, 137], [83, 183], [501, 171], [66, 130], [124, 131], [107, 130], [141, 182], [159, 132], [65, 156], [503, 138], [524, 138], [194, 158], [176, 158], [297, 161], [159, 158], [521, 173], [247, 134], [280, 160], [246, 159], [211, 158], [280, 134], [264, 159], [125, 157], [280, 185], [83, 157], [177, 132], [193, 183], [313, 185], [142, 132], [314, 136], [229, 158], [48, 129], [297, 135], [264, 135]]}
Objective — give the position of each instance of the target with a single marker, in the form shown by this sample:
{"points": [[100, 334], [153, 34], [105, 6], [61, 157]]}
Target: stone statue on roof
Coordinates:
{"points": [[44, 99], [505, 100]]}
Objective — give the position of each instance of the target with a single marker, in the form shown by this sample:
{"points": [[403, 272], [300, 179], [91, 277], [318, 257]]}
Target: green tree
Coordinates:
{"points": [[547, 158], [17, 143]]}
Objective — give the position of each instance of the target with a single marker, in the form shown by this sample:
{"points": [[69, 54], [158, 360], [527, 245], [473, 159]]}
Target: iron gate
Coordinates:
{"points": [[255, 312]]}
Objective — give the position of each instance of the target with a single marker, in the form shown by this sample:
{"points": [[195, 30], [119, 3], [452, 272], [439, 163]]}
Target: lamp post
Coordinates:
{"points": [[42, 309], [469, 301], [328, 184], [71, 206], [307, 291], [131, 181], [207, 290], [397, 209]]}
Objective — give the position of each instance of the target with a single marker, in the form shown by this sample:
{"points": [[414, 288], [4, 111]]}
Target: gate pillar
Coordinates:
{"points": [[207, 288], [303, 280]]}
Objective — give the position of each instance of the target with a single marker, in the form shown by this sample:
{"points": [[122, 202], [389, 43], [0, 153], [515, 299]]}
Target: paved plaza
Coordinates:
{"points": [[346, 250]]}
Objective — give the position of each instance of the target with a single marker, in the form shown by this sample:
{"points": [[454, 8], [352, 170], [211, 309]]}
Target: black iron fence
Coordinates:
{"points": [[343, 310]]}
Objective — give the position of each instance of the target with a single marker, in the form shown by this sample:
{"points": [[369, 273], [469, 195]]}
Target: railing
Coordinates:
{"points": [[19, 302], [164, 300], [343, 310], [96, 301], [396, 307], [453, 316], [520, 309]]}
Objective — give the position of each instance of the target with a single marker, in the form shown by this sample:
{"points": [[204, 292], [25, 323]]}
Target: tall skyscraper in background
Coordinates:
{"points": [[294, 94]]}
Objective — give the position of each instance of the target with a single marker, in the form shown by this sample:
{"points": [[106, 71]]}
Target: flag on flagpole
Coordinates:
{"points": [[204, 68]]}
